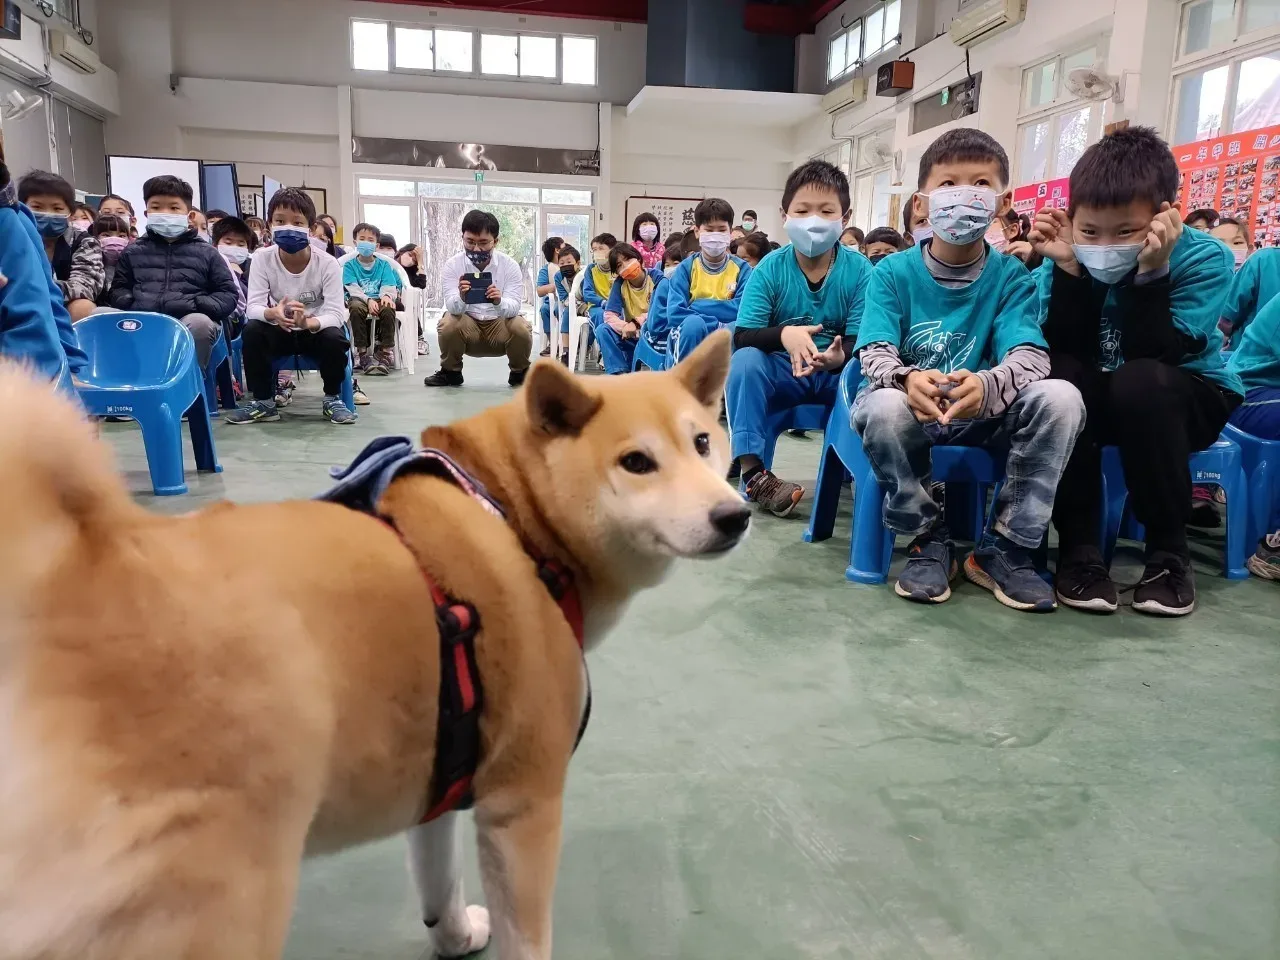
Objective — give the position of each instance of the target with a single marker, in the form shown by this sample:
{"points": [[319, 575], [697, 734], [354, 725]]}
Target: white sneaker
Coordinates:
{"points": [[358, 396], [424, 348]]}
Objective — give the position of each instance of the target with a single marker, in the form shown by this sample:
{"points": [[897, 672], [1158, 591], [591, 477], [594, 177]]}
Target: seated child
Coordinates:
{"points": [[938, 317], [75, 256], [171, 270], [881, 242], [1255, 284], [655, 330], [753, 248], [117, 206], [82, 217], [35, 328], [853, 239], [295, 308], [644, 237], [112, 234], [372, 287], [800, 311], [1257, 363], [569, 262], [545, 288], [707, 287], [750, 221], [1131, 319], [627, 308], [598, 283], [236, 242], [322, 239], [1203, 219]]}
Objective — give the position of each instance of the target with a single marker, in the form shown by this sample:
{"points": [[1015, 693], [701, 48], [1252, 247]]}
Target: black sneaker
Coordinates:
{"points": [[776, 495], [1167, 587], [545, 351], [516, 377], [444, 378], [1084, 582]]}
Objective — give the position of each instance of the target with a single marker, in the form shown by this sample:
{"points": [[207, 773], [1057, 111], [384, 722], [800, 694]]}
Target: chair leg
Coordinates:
{"points": [[826, 496], [1238, 544], [348, 393], [226, 388], [871, 543], [202, 437], [162, 440]]}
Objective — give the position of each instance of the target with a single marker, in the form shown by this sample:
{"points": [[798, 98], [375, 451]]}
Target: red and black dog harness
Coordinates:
{"points": [[457, 754]]}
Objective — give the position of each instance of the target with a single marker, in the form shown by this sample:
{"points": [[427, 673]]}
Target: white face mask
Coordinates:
{"points": [[1241, 255], [233, 253], [961, 215], [714, 245], [668, 271], [648, 232], [1108, 262], [601, 260], [921, 233]]}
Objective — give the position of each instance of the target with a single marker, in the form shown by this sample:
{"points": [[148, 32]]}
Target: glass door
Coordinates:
{"points": [[389, 216], [517, 238], [572, 225]]}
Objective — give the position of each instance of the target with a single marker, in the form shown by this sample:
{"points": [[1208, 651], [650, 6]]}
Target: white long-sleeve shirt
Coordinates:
{"points": [[506, 277], [318, 287]]}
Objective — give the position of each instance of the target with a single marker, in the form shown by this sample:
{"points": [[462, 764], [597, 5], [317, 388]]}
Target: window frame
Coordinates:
{"points": [[477, 36], [1055, 111], [860, 24]]}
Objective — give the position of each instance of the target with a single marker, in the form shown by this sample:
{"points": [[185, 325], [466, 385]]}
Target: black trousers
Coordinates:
{"points": [[264, 343], [1158, 415]]}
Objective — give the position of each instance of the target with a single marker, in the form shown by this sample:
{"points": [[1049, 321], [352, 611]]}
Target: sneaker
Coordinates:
{"points": [[424, 348], [384, 361], [516, 377], [798, 434], [257, 411], [1084, 582], [284, 394], [1006, 570], [776, 495], [545, 351], [1167, 587], [358, 396], [931, 566], [1265, 562], [336, 411], [564, 359], [1204, 508], [444, 378]]}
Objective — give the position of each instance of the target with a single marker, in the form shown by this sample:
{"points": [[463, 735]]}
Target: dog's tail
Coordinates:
{"points": [[57, 479]]}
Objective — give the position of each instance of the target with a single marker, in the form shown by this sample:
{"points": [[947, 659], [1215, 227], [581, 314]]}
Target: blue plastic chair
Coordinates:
{"points": [[217, 377], [969, 472], [143, 366], [811, 416], [1222, 464], [303, 362], [647, 356], [237, 361], [1261, 460]]}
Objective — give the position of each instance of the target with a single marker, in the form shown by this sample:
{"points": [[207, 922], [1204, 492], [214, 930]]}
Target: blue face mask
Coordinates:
{"points": [[813, 236], [1108, 262], [290, 239], [168, 225], [366, 248], [51, 224], [479, 258]]}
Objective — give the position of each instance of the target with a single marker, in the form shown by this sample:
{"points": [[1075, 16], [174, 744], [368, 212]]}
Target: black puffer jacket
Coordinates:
{"points": [[180, 277]]}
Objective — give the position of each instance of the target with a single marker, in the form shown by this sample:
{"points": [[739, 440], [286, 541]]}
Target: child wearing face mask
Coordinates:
{"points": [[800, 312], [598, 282], [544, 287], [627, 309], [569, 262], [112, 234], [882, 242], [655, 330], [1255, 284], [372, 287], [853, 239], [76, 257], [644, 237], [1132, 302], [82, 217], [952, 354], [233, 239], [706, 289], [171, 270]]}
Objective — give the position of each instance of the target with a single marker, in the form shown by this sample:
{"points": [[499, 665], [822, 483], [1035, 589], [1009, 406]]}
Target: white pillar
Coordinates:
{"points": [[348, 214]]}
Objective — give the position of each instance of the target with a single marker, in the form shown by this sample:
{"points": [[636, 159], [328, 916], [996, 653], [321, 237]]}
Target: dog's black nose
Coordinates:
{"points": [[731, 519]]}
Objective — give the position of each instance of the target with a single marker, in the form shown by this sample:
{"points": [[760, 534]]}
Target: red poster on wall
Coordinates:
{"points": [[1239, 176], [1034, 197]]}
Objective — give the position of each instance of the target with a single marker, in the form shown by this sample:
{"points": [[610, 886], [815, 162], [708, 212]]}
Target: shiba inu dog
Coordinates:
{"points": [[177, 732]]}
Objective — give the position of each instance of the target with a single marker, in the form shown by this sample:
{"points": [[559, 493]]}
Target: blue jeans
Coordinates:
{"points": [[1259, 415], [686, 337], [760, 386], [615, 351], [1038, 433], [545, 310]]}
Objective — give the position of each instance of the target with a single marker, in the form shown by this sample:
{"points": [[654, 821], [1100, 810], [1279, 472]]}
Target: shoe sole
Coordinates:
{"points": [[362, 403], [425, 384], [1261, 569], [1096, 605], [786, 511], [270, 418], [1156, 609], [341, 423], [922, 598], [983, 579]]}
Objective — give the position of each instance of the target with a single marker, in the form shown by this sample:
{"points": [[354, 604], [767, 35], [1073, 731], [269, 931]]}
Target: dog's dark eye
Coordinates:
{"points": [[637, 462], [702, 443]]}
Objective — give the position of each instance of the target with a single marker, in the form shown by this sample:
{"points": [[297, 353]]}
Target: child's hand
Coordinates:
{"points": [[923, 393], [1051, 236], [1020, 249], [1162, 237], [798, 342], [831, 358], [964, 400], [387, 301], [310, 324]]}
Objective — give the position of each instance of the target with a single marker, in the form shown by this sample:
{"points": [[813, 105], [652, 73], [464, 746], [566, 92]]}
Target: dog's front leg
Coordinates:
{"points": [[519, 844], [436, 864]]}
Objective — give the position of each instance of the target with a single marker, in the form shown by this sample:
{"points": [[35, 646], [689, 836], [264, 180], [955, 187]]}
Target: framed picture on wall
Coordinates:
{"points": [[251, 203], [319, 196]]}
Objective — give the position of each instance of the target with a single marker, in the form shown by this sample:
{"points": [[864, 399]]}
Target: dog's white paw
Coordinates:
{"points": [[462, 943]]}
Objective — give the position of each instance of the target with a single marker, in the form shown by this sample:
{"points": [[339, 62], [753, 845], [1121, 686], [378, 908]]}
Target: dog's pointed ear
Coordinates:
{"points": [[704, 371], [558, 402]]}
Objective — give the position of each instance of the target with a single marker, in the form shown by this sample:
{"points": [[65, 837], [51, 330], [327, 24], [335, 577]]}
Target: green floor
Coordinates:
{"points": [[784, 765]]}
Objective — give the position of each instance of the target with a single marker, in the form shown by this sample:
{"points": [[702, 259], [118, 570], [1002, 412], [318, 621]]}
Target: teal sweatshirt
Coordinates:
{"points": [[370, 282], [1257, 360], [778, 295], [1255, 285]]}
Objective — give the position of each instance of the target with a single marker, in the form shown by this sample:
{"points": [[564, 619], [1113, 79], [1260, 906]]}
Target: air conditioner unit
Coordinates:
{"points": [[848, 94], [73, 53], [982, 21]]}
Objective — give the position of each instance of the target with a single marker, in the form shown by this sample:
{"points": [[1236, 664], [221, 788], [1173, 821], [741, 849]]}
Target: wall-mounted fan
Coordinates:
{"points": [[14, 106]]}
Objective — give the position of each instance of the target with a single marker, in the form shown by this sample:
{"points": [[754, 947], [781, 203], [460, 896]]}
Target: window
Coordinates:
{"points": [[1055, 126], [872, 163], [369, 49], [386, 188], [381, 46], [579, 60], [508, 194], [1231, 97], [866, 38], [567, 198], [451, 191]]}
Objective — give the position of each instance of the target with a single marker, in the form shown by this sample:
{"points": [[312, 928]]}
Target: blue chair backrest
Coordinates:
{"points": [[134, 349], [850, 380]]}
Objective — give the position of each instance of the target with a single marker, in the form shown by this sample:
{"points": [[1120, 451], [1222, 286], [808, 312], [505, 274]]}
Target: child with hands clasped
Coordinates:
{"points": [[1132, 302], [937, 317]]}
